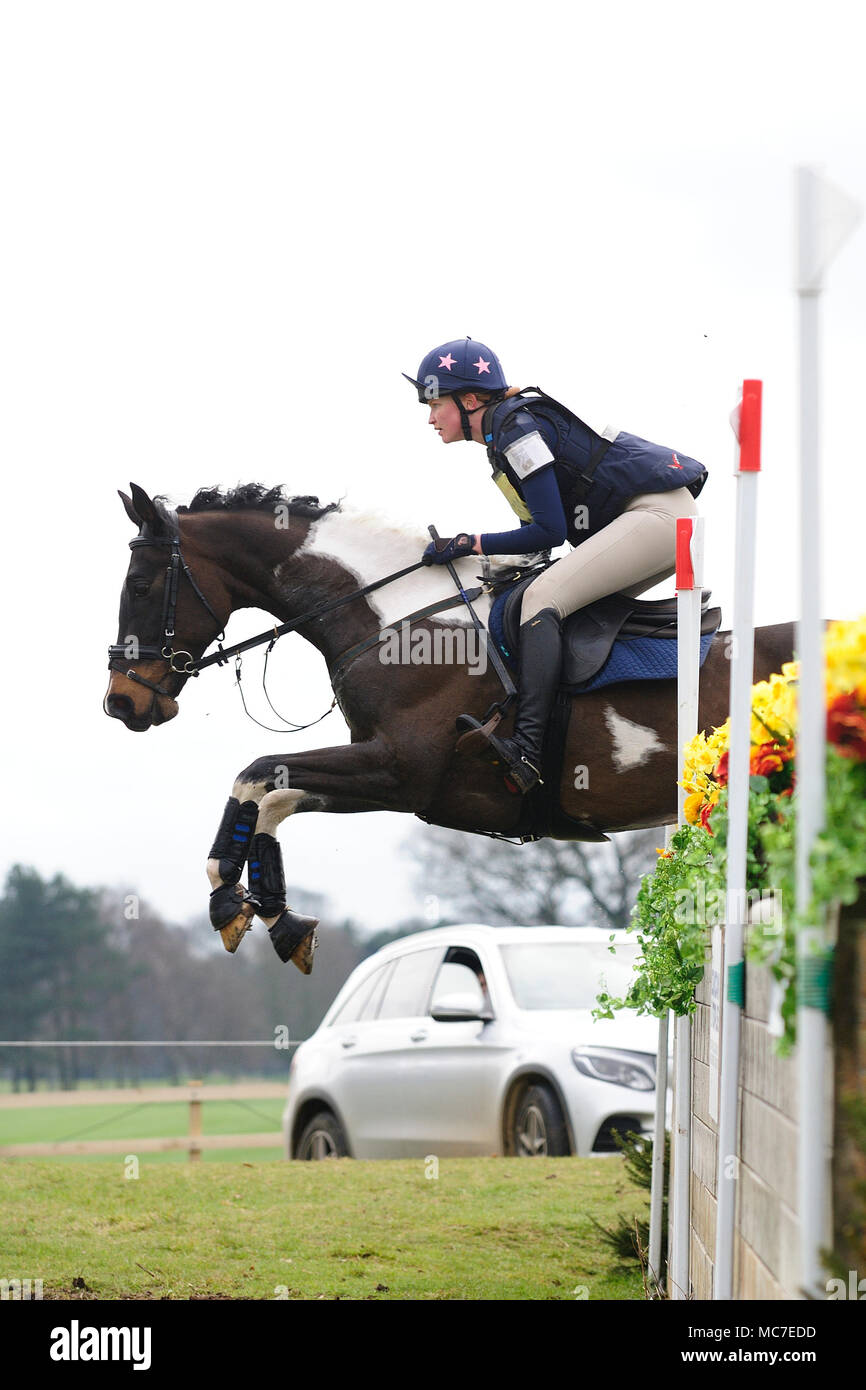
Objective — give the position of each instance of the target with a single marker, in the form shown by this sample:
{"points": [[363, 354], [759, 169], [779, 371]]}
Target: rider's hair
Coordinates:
{"points": [[486, 396]]}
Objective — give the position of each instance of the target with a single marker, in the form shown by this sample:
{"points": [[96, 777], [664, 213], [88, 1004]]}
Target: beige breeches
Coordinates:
{"points": [[635, 551]]}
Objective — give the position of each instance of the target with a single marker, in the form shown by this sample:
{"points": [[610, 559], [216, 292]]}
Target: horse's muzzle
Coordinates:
{"points": [[123, 701]]}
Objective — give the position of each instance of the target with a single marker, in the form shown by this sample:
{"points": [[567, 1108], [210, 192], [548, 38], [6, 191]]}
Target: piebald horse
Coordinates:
{"points": [[291, 556]]}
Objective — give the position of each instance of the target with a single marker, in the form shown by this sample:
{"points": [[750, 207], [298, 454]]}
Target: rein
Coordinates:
{"points": [[223, 654], [192, 667]]}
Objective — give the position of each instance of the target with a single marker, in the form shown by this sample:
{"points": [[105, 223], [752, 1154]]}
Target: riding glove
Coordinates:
{"points": [[446, 548]]}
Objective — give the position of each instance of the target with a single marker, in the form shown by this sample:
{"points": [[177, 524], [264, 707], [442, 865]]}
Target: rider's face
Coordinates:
{"points": [[445, 417]]}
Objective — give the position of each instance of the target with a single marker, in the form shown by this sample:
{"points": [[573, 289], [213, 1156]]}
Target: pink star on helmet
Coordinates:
{"points": [[448, 361], [482, 365]]}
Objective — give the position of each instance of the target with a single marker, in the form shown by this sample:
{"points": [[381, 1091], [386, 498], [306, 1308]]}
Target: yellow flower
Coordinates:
{"points": [[845, 652], [692, 808], [701, 757], [774, 711]]}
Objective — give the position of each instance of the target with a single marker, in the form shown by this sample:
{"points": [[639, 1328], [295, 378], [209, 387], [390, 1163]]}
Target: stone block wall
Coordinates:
{"points": [[766, 1227]]}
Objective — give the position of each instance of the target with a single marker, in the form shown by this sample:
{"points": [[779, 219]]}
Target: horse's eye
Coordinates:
{"points": [[140, 587]]}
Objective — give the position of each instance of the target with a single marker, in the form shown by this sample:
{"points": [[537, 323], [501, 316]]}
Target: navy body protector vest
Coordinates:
{"points": [[596, 476]]}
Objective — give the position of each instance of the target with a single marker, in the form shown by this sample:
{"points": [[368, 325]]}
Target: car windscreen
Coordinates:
{"points": [[567, 975]]}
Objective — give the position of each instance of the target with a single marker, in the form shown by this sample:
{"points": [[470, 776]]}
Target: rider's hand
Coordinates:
{"points": [[447, 548]]}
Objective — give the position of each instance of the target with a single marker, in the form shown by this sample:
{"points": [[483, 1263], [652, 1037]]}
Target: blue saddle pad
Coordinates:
{"points": [[631, 658]]}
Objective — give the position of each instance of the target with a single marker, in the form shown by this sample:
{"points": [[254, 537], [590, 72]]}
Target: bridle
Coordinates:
{"points": [[176, 566]]}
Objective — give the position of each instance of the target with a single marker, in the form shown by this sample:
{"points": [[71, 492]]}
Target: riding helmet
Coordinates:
{"points": [[462, 365]]}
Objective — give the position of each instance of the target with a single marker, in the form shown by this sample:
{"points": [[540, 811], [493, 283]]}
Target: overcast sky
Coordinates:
{"points": [[228, 228]]}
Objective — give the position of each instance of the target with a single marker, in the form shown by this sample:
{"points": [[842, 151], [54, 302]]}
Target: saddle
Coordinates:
{"points": [[611, 640], [588, 635]]}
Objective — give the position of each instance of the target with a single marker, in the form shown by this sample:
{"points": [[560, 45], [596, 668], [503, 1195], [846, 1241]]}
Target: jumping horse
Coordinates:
{"points": [[319, 570]]}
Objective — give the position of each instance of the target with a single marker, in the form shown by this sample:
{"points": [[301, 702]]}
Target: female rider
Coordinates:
{"points": [[615, 497]]}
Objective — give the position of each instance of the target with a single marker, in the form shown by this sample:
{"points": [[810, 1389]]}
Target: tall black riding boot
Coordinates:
{"points": [[540, 665]]}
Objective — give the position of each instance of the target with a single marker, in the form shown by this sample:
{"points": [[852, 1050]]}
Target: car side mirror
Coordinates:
{"points": [[460, 1007], [458, 995]]}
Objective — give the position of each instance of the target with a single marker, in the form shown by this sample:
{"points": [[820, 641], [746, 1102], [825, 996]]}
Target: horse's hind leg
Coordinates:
{"points": [[358, 777]]}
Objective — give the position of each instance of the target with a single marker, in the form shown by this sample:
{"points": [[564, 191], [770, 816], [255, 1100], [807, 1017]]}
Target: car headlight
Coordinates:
{"points": [[617, 1066]]}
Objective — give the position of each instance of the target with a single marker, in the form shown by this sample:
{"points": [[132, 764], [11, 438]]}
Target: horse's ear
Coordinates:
{"points": [[145, 509], [129, 508]]}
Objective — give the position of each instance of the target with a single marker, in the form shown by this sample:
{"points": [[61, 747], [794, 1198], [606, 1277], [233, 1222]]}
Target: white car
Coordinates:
{"points": [[476, 1040]]}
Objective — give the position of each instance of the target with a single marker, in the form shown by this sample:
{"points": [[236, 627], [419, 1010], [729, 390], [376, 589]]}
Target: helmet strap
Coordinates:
{"points": [[464, 416]]}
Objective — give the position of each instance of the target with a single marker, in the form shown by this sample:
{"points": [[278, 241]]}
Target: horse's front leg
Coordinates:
{"points": [[231, 906], [357, 777]]}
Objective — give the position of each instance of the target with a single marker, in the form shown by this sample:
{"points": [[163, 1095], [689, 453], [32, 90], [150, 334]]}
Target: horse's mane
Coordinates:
{"points": [[254, 497]]}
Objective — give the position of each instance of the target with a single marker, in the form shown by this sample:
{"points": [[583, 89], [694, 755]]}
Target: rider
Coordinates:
{"points": [[615, 497]]}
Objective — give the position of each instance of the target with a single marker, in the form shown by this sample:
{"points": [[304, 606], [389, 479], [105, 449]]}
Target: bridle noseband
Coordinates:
{"points": [[176, 565]]}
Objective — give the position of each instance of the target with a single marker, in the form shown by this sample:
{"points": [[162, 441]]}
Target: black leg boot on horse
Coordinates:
{"points": [[540, 667]]}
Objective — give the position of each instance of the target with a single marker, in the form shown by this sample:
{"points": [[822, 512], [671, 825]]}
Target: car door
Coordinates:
{"points": [[460, 1066], [377, 1081]]}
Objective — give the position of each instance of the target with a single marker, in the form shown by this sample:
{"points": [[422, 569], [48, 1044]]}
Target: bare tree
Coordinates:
{"points": [[552, 881]]}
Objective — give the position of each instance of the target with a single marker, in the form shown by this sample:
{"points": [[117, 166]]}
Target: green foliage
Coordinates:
{"points": [[629, 1238], [685, 895], [56, 957], [838, 863], [670, 934]]}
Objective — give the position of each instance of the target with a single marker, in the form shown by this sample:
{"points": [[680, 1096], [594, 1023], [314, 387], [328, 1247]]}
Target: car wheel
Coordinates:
{"points": [[539, 1130], [323, 1137]]}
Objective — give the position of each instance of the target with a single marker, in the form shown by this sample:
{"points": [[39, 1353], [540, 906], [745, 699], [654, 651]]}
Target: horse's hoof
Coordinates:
{"points": [[231, 908], [225, 903], [303, 956], [234, 932], [294, 938]]}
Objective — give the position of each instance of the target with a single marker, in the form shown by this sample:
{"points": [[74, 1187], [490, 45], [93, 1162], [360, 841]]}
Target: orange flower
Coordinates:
{"points": [[769, 758], [706, 812], [846, 726]]}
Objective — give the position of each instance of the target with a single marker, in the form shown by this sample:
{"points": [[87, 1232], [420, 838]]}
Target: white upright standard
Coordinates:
{"points": [[825, 216], [746, 421], [690, 574]]}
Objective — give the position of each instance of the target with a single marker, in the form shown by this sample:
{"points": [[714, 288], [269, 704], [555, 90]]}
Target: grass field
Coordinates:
{"points": [[484, 1228]]}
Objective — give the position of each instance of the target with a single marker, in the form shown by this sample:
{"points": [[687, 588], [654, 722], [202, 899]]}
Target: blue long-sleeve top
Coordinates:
{"points": [[547, 528]]}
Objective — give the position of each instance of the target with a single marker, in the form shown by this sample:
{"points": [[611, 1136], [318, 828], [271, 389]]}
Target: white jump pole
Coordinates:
{"points": [[746, 422], [825, 216], [657, 1188], [690, 574]]}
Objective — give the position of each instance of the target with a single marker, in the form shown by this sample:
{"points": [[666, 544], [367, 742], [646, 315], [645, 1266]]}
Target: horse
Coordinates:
{"points": [[294, 557]]}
